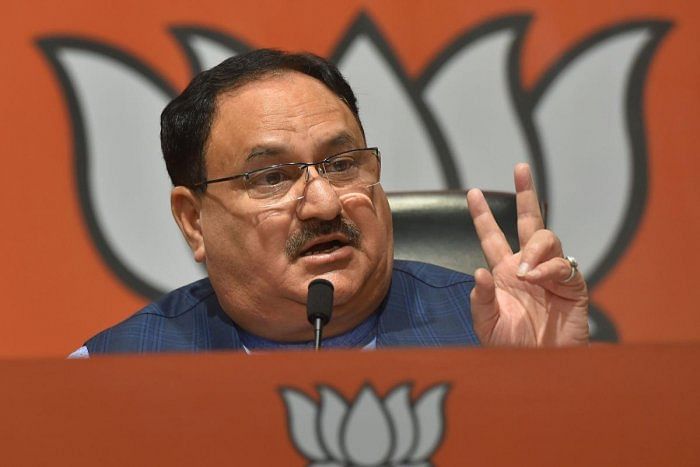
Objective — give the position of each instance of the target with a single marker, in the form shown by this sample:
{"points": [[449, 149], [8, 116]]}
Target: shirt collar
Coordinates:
{"points": [[359, 336]]}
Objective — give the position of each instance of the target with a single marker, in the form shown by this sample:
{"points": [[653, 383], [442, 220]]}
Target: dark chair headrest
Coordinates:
{"points": [[435, 227]]}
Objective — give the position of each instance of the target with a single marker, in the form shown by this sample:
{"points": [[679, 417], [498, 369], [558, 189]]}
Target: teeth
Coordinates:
{"points": [[328, 250], [314, 251]]}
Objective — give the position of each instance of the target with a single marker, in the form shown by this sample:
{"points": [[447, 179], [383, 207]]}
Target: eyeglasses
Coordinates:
{"points": [[347, 172]]}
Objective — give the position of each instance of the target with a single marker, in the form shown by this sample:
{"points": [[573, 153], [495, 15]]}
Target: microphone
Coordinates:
{"points": [[319, 306]]}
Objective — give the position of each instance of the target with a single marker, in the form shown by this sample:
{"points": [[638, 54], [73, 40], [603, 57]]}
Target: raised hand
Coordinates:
{"points": [[526, 298]]}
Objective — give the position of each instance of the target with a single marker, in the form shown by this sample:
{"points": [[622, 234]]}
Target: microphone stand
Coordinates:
{"points": [[318, 333]]}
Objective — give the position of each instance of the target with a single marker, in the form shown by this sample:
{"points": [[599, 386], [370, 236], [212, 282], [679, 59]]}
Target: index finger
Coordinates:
{"points": [[528, 206], [493, 241]]}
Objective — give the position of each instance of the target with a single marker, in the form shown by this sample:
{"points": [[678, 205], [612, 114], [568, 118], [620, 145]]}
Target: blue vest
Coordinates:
{"points": [[426, 306]]}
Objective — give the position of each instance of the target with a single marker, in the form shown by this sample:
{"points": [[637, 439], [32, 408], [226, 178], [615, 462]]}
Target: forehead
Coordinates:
{"points": [[289, 112]]}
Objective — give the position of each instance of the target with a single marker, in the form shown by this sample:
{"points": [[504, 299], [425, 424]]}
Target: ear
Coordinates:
{"points": [[186, 206]]}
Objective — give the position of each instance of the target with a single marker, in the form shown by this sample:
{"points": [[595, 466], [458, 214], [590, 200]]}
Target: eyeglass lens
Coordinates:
{"points": [[347, 172]]}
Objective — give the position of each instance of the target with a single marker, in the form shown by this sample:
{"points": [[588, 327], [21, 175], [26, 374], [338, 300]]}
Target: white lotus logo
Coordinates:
{"points": [[369, 431], [465, 120]]}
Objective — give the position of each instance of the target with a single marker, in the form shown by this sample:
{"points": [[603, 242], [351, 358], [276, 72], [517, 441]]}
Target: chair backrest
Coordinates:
{"points": [[435, 227]]}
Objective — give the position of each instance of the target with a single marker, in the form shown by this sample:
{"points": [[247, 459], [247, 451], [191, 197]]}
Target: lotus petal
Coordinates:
{"points": [[333, 412], [472, 91], [206, 48], [301, 416], [389, 108], [398, 407], [115, 102], [587, 111], [430, 421], [367, 434]]}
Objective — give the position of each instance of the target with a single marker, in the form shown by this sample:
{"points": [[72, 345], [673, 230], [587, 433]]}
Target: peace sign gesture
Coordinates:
{"points": [[528, 298]]}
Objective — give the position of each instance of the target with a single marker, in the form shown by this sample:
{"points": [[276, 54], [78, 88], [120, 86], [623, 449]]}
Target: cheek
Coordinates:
{"points": [[246, 240], [372, 216], [358, 200], [271, 229]]}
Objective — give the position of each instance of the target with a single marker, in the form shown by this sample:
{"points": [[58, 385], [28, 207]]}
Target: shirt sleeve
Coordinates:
{"points": [[80, 353]]}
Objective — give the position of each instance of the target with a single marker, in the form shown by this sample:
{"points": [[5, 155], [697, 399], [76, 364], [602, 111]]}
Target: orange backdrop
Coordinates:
{"points": [[57, 290]]}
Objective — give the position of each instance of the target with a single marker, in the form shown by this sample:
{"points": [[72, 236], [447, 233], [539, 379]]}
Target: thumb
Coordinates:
{"points": [[484, 306]]}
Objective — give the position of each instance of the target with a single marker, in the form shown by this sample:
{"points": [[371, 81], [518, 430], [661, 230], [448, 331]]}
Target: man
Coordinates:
{"points": [[274, 186]]}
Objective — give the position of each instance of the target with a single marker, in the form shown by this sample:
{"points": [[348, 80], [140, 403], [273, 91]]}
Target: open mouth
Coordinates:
{"points": [[320, 240], [324, 248]]}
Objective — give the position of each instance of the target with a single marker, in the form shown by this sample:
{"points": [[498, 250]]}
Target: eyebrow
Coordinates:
{"points": [[343, 138], [264, 151]]}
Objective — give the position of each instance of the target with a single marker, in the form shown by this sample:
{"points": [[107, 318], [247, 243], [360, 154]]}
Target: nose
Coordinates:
{"points": [[320, 199]]}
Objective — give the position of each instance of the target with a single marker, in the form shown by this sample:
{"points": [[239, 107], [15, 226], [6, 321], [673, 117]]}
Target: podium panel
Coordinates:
{"points": [[607, 405]]}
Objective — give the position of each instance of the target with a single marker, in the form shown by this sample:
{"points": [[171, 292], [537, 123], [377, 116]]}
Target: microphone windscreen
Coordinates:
{"points": [[319, 303]]}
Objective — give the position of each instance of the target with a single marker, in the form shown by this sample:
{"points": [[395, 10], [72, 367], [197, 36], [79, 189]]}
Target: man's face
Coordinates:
{"points": [[256, 264]]}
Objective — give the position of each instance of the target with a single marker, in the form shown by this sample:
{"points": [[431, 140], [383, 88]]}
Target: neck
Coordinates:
{"points": [[359, 336]]}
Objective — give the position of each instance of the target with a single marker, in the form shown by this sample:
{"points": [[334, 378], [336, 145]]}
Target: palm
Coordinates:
{"points": [[530, 314], [533, 309]]}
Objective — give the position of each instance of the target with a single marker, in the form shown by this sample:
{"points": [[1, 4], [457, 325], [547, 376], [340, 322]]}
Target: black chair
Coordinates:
{"points": [[435, 227]]}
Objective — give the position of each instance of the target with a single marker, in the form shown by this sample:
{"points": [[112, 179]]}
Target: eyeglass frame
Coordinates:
{"points": [[302, 165]]}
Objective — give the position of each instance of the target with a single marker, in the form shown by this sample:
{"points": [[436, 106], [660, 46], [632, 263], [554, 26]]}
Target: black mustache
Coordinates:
{"points": [[313, 229]]}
